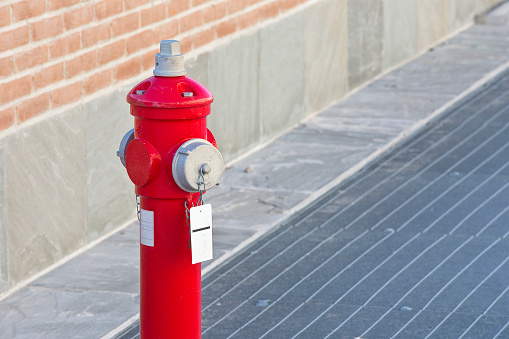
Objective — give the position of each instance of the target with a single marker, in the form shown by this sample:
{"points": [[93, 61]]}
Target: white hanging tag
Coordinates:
{"points": [[201, 233], [147, 228]]}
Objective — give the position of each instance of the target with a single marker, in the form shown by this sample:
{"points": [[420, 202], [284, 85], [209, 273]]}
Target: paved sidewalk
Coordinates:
{"points": [[93, 294], [415, 246]]}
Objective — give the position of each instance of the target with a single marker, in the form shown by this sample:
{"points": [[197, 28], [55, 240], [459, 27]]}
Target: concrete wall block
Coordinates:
{"points": [[462, 12], [45, 180], [434, 22], [235, 117], [326, 54], [281, 84], [110, 193], [4, 274], [365, 40], [197, 67], [400, 31]]}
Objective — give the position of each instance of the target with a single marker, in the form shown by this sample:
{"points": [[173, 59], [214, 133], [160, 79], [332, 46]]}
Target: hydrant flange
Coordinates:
{"points": [[195, 156]]}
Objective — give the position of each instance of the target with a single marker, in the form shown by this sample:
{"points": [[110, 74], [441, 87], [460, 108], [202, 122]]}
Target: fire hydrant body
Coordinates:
{"points": [[165, 159]]}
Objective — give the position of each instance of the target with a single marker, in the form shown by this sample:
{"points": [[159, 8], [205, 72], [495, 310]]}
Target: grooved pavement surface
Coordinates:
{"points": [[415, 246]]}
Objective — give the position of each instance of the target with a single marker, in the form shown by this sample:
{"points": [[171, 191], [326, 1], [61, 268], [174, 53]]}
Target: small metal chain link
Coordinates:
{"points": [[200, 202]]}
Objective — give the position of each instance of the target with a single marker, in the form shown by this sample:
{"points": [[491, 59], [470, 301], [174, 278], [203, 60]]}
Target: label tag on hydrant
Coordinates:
{"points": [[147, 227], [201, 233]]}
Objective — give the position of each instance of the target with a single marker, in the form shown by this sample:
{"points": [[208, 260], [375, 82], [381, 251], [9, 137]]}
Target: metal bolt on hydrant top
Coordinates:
{"points": [[172, 159]]}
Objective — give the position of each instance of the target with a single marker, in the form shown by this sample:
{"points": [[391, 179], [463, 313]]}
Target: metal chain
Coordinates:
{"points": [[201, 187], [138, 211], [200, 202]]}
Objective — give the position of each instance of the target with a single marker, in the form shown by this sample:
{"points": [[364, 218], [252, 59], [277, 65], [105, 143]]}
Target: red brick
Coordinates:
{"points": [[27, 9], [93, 35], [32, 57], [66, 95], [167, 31], [107, 8], [148, 59], [139, 41], [48, 76], [191, 21], [251, 2], [110, 52], [204, 37], [57, 4], [127, 69], [64, 45], [198, 2], [153, 14], [214, 12], [15, 89], [97, 81], [6, 66], [288, 4], [47, 28], [130, 4], [6, 118], [236, 5], [269, 10], [5, 16], [32, 107], [78, 17], [185, 44], [13, 38], [248, 19], [82, 63], [125, 24], [177, 6], [226, 27]]}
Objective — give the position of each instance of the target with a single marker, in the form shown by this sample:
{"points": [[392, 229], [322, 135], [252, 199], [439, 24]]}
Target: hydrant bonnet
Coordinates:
{"points": [[169, 61]]}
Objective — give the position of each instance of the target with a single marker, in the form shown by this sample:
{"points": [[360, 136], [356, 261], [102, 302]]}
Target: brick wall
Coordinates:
{"points": [[56, 52]]}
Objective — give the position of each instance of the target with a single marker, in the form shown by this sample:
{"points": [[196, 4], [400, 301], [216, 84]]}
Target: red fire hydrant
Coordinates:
{"points": [[172, 158]]}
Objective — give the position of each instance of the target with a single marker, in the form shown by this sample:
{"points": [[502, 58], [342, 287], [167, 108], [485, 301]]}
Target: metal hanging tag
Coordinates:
{"points": [[201, 233], [199, 221]]}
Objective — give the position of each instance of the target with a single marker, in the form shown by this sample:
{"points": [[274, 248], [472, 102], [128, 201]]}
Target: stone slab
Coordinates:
{"points": [[434, 22], [235, 117], [325, 37], [110, 193], [281, 82], [365, 40], [35, 313], [48, 180], [4, 274], [400, 41]]}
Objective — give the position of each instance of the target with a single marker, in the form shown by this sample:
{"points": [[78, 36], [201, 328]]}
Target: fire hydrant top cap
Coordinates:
{"points": [[169, 61]]}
